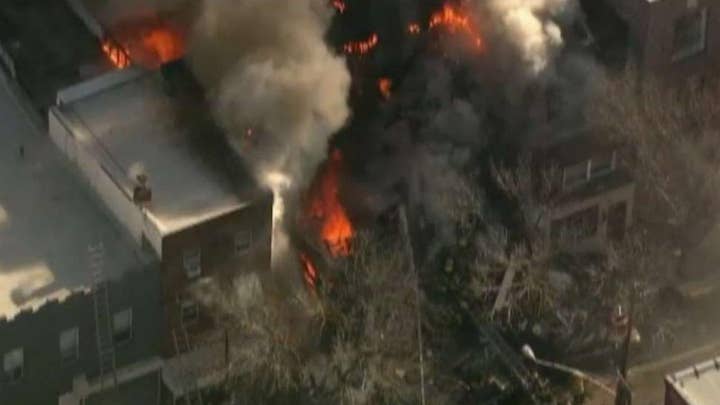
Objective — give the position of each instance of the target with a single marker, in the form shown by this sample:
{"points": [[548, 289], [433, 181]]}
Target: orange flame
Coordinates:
{"points": [[385, 86], [309, 271], [361, 47], [339, 5], [456, 20], [414, 28], [115, 54], [336, 230], [166, 45], [150, 40]]}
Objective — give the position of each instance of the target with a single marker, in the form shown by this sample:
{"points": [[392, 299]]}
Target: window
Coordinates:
{"points": [[602, 165], [575, 175], [189, 311], [243, 241], [192, 263], [13, 363], [69, 345], [582, 224], [122, 326], [690, 34]]}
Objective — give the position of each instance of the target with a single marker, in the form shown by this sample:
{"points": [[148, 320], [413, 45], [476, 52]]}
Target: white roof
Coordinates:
{"points": [[700, 384], [133, 122], [47, 219]]}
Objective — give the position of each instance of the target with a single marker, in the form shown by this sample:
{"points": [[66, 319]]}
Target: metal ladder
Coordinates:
{"points": [[103, 322]]}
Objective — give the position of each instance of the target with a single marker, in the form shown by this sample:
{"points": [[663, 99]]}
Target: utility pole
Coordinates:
{"points": [[623, 395], [404, 229]]}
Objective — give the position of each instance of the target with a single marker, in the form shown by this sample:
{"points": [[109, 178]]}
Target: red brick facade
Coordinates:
{"points": [[652, 26], [215, 241]]}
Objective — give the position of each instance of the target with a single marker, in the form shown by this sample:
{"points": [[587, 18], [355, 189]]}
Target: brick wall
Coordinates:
{"points": [[216, 241], [652, 31], [45, 375]]}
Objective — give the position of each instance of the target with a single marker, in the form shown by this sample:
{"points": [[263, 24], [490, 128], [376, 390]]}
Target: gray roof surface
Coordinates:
{"points": [[136, 126], [700, 384], [47, 219]]}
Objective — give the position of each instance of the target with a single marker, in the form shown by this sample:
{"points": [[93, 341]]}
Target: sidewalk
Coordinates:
{"points": [[648, 380]]}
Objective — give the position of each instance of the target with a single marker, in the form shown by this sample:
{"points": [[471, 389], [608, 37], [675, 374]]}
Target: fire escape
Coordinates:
{"points": [[103, 322]]}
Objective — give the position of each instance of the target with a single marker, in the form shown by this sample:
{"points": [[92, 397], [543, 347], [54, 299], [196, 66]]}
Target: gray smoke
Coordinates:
{"points": [[451, 105], [528, 25], [278, 90]]}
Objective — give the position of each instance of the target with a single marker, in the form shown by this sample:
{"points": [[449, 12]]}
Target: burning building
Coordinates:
{"points": [[344, 109]]}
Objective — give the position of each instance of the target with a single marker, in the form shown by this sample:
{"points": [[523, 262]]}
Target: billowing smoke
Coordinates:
{"points": [[527, 24], [279, 91], [282, 93], [454, 106]]}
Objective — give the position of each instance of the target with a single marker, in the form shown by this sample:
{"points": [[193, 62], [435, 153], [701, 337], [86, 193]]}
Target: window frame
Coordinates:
{"points": [[573, 169], [184, 303], [76, 337], [130, 331], [606, 169], [700, 46], [11, 374], [238, 236], [192, 263]]}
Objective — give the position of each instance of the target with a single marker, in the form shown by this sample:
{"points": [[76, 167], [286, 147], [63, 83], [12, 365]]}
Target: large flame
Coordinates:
{"points": [[150, 41], [164, 43], [361, 47], [324, 206], [456, 20]]}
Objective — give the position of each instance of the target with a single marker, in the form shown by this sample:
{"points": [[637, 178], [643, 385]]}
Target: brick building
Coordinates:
{"points": [[49, 344], [148, 149], [676, 36], [596, 196], [170, 204]]}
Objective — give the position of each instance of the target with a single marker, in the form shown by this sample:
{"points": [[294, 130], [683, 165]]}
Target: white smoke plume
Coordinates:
{"points": [[278, 90], [527, 24]]}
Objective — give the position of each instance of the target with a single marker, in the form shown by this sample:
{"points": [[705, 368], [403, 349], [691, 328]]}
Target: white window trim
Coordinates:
{"points": [[76, 344], [131, 326], [700, 46], [189, 255], [10, 373]]}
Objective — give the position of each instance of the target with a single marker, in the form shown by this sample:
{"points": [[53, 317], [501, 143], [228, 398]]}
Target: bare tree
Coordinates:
{"points": [[360, 347], [672, 134]]}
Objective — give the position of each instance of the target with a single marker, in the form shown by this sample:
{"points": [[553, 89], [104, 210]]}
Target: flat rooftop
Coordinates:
{"points": [[699, 384], [47, 219], [132, 125]]}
